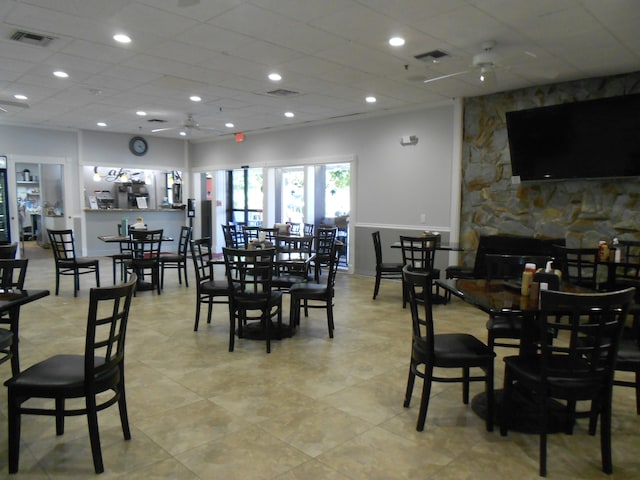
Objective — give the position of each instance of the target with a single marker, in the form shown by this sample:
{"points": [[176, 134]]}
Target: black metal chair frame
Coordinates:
{"points": [[578, 366], [63, 377], [449, 350], [507, 267], [392, 271], [178, 260], [288, 273], [578, 265], [321, 295], [325, 239], [121, 257], [13, 273], [66, 261], [419, 253], [250, 276], [207, 287], [146, 245]]}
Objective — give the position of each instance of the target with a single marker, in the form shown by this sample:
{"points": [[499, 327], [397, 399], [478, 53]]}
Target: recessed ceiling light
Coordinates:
{"points": [[60, 74], [101, 124], [275, 77], [182, 133], [229, 125], [141, 113], [396, 41], [195, 98], [371, 99], [19, 96], [289, 114], [122, 38]]}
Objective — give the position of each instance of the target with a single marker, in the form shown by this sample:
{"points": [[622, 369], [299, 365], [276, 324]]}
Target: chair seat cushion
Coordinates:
{"points": [[310, 291], [80, 262], [456, 350], [503, 326], [214, 287], [628, 355], [250, 302], [171, 257], [391, 267], [288, 280], [528, 370], [6, 338], [60, 372]]}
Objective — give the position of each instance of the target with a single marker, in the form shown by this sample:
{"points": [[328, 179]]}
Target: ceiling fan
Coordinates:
{"points": [[188, 127], [11, 103], [484, 64]]}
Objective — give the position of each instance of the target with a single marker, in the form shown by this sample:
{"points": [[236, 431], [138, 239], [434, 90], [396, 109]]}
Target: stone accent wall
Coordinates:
{"points": [[581, 211]]}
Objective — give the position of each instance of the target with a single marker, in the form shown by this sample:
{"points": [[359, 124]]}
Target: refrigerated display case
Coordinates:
{"points": [[5, 234]]}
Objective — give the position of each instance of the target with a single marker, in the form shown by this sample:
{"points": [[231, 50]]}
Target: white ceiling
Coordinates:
{"points": [[333, 52]]}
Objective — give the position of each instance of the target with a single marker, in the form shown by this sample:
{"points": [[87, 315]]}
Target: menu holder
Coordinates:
{"points": [[141, 202]]}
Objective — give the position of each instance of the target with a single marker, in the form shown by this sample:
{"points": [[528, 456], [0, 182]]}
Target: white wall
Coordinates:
{"points": [[74, 149], [395, 183]]}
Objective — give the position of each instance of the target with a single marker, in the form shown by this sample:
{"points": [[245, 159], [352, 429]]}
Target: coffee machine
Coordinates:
{"points": [[128, 193]]}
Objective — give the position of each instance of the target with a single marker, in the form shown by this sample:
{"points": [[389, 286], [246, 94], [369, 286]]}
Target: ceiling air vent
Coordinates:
{"points": [[156, 120], [432, 56], [31, 38], [283, 92]]}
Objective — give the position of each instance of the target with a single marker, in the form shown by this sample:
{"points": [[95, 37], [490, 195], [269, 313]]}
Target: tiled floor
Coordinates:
{"points": [[314, 408]]}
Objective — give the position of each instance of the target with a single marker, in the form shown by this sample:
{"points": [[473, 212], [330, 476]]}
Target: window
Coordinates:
{"points": [[245, 198]]}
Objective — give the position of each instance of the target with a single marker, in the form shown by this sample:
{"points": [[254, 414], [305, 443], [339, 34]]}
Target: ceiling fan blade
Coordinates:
{"points": [[449, 75], [210, 129], [13, 103], [156, 130]]}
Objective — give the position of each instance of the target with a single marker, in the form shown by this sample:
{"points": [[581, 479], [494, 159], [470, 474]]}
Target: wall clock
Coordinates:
{"points": [[138, 146]]}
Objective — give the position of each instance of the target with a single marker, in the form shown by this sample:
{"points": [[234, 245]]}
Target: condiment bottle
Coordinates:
{"points": [[603, 251], [527, 275]]}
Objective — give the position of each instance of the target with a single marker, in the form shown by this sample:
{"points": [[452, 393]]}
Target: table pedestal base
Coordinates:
{"points": [[255, 331], [527, 412]]}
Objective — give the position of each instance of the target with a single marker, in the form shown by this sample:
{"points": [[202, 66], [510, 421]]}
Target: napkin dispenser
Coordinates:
{"points": [[549, 276]]}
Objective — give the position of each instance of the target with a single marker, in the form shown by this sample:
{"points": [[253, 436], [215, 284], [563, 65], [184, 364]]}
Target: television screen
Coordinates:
{"points": [[590, 139]]}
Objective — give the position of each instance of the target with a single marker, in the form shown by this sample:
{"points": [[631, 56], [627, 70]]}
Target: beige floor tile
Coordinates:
{"points": [[315, 408]]}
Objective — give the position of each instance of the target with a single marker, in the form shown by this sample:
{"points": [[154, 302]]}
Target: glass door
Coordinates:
{"points": [[292, 192], [246, 198], [5, 234]]}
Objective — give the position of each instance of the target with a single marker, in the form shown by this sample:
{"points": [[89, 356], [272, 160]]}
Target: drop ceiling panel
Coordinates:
{"points": [[333, 52]]}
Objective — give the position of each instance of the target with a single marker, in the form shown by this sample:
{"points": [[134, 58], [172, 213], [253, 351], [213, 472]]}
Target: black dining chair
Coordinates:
{"points": [[505, 330], [576, 366], [384, 270], [306, 295], [253, 298], [66, 261], [578, 265], [207, 286], [125, 253], [293, 259], [145, 263], [307, 228], [325, 240], [177, 260], [430, 351], [12, 276], [8, 251], [88, 376], [419, 253]]}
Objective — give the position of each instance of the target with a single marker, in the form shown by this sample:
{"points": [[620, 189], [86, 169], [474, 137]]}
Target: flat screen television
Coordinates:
{"points": [[590, 139]]}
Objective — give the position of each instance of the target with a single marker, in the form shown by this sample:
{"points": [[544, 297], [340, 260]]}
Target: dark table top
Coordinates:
{"points": [[498, 297], [442, 246], [16, 298]]}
